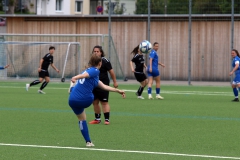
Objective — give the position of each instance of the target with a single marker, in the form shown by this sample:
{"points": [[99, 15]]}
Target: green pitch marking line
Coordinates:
{"points": [[164, 92], [122, 151]]}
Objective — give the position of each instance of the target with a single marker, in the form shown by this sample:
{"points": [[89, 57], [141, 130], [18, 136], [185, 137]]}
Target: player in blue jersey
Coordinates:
{"points": [[81, 95], [138, 71], [236, 69], [4, 67], [153, 72]]}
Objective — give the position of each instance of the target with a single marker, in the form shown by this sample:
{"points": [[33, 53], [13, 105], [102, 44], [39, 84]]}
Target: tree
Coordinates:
{"points": [[178, 7], [11, 6], [157, 6]]}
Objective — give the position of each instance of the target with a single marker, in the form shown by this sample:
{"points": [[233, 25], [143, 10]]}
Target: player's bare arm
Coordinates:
{"points": [[54, 67], [112, 74], [80, 76], [150, 65], [108, 88], [40, 65], [131, 65], [161, 64], [234, 69]]}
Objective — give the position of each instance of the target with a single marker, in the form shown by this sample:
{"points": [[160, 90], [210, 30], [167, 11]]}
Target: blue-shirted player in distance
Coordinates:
{"points": [[81, 95], [236, 69], [153, 72], [4, 67]]}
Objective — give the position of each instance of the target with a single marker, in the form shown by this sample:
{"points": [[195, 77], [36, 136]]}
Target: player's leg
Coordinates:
{"points": [[150, 82], [45, 83], [78, 109], [106, 112], [157, 79], [84, 128], [96, 107], [34, 82], [235, 84], [235, 91]]}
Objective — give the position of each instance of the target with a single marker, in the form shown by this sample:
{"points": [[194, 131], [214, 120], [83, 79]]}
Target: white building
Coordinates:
{"points": [[63, 7], [74, 7]]}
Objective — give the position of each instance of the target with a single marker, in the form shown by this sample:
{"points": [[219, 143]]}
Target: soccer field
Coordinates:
{"points": [[192, 122]]}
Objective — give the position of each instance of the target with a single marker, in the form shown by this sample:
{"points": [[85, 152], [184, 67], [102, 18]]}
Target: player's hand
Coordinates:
{"points": [[115, 85], [57, 70], [73, 80], [6, 66], [150, 70], [133, 70], [39, 69], [122, 93], [231, 73], [163, 65]]}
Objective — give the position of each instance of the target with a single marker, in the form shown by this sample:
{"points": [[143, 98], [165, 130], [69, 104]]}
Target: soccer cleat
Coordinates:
{"points": [[159, 97], [27, 87], [95, 121], [235, 100], [150, 97], [140, 97], [41, 92], [106, 122], [89, 144]]}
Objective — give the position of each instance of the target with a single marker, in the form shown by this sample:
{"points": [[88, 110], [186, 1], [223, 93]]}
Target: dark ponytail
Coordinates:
{"points": [[135, 50]]}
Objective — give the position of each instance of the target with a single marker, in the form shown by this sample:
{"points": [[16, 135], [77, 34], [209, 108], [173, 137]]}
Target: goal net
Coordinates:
{"points": [[72, 53]]}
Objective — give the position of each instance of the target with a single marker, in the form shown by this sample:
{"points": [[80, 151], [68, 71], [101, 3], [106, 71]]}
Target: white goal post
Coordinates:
{"points": [[31, 53]]}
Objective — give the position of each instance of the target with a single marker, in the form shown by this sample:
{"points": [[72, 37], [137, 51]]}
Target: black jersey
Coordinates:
{"points": [[47, 60], [139, 62], [106, 66]]}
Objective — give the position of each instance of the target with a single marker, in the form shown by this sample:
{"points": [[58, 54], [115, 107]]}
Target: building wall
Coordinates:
{"points": [[48, 7], [210, 59]]}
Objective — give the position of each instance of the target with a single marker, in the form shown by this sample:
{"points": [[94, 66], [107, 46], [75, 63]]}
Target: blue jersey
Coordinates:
{"points": [[236, 60], [154, 56], [84, 87]]}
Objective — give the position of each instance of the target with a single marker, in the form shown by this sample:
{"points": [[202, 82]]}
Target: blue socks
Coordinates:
{"points": [[235, 91], [157, 90], [84, 129], [149, 90]]}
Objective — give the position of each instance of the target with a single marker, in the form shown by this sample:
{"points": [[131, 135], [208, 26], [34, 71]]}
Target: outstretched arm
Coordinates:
{"points": [[108, 88], [161, 64]]}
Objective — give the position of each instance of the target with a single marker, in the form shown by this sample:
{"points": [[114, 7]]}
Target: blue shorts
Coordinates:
{"points": [[154, 73], [78, 106], [236, 79]]}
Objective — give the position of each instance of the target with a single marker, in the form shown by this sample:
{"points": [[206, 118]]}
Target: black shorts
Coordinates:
{"points": [[140, 76], [43, 74], [100, 94]]}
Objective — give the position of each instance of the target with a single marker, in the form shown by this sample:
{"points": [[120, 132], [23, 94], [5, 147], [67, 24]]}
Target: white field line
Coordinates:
{"points": [[122, 151], [165, 92]]}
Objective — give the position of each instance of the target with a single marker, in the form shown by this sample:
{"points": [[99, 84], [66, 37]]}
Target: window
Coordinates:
{"points": [[78, 6], [58, 5]]}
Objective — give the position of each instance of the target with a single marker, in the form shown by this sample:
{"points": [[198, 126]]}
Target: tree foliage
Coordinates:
{"points": [[182, 6]]}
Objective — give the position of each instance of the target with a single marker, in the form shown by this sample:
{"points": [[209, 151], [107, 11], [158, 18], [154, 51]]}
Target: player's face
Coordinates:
{"points": [[97, 52], [51, 51], [233, 54], [155, 47]]}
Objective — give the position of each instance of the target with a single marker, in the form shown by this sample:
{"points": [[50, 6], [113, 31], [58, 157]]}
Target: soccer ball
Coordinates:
{"points": [[145, 47]]}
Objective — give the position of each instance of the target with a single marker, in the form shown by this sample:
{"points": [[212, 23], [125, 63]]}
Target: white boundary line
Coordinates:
{"points": [[122, 151], [164, 92]]}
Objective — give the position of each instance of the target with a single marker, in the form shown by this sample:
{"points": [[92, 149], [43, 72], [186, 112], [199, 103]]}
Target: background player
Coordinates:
{"points": [[101, 96], [43, 70], [236, 68], [153, 72], [4, 67], [81, 95], [138, 71]]}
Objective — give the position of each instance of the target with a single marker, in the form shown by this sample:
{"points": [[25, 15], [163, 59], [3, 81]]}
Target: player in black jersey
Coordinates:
{"points": [[101, 96], [43, 71], [138, 71]]}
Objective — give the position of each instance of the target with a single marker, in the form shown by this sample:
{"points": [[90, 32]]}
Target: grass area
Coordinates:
{"points": [[190, 120]]}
